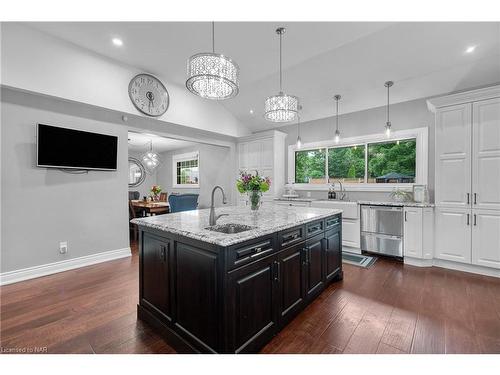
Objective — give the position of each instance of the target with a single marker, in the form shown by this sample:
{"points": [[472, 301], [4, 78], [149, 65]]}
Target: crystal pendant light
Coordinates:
{"points": [[299, 140], [211, 75], [337, 131], [388, 84], [281, 107], [151, 160]]}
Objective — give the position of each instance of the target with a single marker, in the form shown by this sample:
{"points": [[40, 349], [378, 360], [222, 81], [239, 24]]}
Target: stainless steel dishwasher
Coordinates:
{"points": [[382, 230]]}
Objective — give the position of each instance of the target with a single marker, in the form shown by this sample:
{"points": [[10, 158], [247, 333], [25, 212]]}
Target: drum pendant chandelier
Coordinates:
{"points": [[211, 75], [281, 107]]}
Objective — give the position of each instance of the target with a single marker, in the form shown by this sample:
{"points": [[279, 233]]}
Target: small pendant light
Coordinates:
{"points": [[299, 140], [388, 84], [151, 159], [337, 131]]}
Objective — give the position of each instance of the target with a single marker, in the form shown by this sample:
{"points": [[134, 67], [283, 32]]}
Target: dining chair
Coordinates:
{"points": [[133, 195], [132, 215], [183, 202], [163, 197]]}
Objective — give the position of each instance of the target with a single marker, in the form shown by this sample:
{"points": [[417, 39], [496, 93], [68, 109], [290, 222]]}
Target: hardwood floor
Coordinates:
{"points": [[389, 308]]}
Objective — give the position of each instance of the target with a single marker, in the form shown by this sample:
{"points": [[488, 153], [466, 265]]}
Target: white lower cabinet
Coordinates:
{"points": [[453, 234], [418, 232], [413, 237], [351, 233], [486, 238]]}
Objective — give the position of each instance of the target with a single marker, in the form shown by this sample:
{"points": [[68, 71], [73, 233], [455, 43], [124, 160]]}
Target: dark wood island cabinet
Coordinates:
{"points": [[204, 297]]}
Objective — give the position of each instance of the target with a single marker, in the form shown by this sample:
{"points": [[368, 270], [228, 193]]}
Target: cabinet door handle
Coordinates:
{"points": [[163, 253], [278, 276], [475, 220], [305, 251], [406, 218], [468, 198], [468, 217], [475, 198]]}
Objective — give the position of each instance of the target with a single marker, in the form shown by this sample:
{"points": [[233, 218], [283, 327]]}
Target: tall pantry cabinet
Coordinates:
{"points": [[467, 177], [265, 153]]}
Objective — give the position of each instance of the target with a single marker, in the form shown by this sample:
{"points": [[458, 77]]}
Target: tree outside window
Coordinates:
{"points": [[310, 166], [347, 164], [386, 162], [392, 162]]}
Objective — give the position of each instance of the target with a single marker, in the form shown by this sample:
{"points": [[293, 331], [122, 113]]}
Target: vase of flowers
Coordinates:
{"points": [[254, 186], [155, 192]]}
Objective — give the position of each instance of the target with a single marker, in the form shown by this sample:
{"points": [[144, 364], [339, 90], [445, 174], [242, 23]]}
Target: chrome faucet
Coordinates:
{"points": [[342, 192], [213, 217]]}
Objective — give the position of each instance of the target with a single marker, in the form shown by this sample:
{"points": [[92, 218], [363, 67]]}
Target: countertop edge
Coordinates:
{"points": [[226, 243]]}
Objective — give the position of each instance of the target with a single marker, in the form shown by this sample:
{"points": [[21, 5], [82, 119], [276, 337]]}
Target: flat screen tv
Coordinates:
{"points": [[75, 149]]}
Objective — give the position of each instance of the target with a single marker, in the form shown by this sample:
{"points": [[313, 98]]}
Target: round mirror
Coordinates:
{"points": [[136, 172]]}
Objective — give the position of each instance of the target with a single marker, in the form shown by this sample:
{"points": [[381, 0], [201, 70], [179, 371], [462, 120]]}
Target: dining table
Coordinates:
{"points": [[150, 207]]}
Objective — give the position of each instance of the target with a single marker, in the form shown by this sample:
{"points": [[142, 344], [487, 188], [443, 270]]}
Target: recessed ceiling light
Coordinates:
{"points": [[470, 49], [251, 111], [117, 42]]}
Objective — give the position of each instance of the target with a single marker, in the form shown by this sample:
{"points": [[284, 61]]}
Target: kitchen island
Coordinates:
{"points": [[231, 287]]}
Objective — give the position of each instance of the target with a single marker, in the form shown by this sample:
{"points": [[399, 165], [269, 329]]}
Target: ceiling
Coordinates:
{"points": [[320, 59], [139, 142]]}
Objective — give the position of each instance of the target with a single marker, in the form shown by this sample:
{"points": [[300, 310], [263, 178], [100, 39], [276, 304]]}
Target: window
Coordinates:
{"points": [[186, 170], [347, 164], [310, 166], [392, 162], [362, 163]]}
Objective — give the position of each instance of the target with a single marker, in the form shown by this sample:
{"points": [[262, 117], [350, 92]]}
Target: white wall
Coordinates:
{"points": [[41, 207], [145, 188], [34, 61], [217, 165]]}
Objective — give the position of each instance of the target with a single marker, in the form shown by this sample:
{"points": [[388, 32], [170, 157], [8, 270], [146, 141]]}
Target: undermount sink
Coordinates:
{"points": [[230, 228], [350, 209]]}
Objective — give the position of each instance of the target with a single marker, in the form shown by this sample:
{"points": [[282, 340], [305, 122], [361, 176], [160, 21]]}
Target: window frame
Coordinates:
{"points": [[421, 169], [185, 157]]}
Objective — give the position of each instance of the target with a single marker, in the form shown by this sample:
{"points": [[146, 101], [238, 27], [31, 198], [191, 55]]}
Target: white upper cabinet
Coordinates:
{"points": [[254, 155], [453, 156], [413, 245], [265, 153], [453, 234], [486, 154], [243, 156], [486, 238]]}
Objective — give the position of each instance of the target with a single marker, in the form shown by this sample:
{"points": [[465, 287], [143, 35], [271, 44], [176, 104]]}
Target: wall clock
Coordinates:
{"points": [[149, 95]]}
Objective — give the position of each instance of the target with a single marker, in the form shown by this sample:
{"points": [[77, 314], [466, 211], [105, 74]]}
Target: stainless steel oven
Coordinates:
{"points": [[382, 229]]}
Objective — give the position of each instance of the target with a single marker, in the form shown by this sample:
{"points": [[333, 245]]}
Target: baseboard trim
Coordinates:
{"points": [[418, 262], [355, 250], [471, 268], [11, 277]]}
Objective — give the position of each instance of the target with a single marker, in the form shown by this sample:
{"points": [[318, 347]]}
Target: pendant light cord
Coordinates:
{"points": [[281, 74], [298, 125], [213, 36], [388, 86], [337, 116]]}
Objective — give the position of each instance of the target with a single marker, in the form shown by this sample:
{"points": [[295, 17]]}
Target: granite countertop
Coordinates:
{"points": [[299, 199], [399, 204], [268, 219], [373, 203]]}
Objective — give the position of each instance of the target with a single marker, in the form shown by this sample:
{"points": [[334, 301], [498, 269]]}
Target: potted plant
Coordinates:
{"points": [[254, 186], [155, 192]]}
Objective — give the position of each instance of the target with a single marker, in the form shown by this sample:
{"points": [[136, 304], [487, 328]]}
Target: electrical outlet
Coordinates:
{"points": [[63, 247]]}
